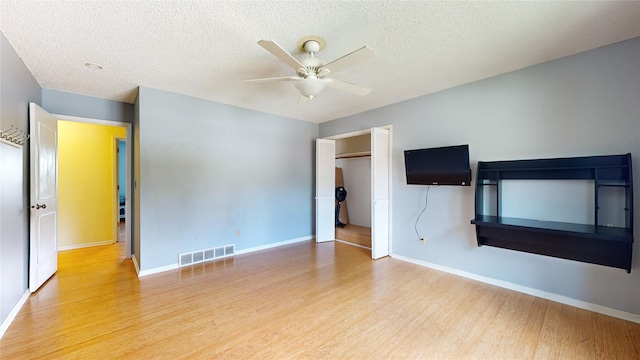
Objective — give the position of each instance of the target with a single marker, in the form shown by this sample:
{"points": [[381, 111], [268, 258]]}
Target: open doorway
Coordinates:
{"points": [[90, 172], [121, 201], [375, 144]]}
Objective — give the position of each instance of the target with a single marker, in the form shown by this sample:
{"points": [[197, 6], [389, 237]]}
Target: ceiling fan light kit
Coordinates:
{"points": [[311, 72], [310, 86]]}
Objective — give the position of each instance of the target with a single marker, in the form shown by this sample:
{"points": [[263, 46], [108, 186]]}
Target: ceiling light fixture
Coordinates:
{"points": [[312, 73], [310, 86], [93, 66]]}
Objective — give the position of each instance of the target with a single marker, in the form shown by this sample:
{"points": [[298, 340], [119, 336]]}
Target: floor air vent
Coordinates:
{"points": [[198, 256]]}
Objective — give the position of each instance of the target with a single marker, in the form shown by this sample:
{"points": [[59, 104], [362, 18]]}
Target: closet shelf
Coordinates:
{"points": [[353, 155]]}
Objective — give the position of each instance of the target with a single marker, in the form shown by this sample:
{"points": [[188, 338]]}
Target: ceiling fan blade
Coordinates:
{"points": [[273, 79], [354, 58], [280, 53], [349, 87], [303, 99]]}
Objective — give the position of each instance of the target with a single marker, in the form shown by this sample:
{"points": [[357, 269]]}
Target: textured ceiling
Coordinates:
{"points": [[205, 49]]}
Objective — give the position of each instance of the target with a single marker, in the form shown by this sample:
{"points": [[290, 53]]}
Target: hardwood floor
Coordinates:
{"points": [[301, 301], [355, 234], [122, 227]]}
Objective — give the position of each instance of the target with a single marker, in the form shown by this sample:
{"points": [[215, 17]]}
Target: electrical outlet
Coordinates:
{"points": [[238, 232], [421, 241]]}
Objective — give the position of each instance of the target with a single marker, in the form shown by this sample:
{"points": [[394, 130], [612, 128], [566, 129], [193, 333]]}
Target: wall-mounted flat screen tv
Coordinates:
{"points": [[447, 165]]}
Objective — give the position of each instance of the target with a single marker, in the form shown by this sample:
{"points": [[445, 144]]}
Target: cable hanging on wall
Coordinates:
{"points": [[13, 136], [426, 202]]}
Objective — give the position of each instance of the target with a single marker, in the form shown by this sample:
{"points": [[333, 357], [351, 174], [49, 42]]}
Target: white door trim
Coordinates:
{"points": [[325, 189], [380, 184], [349, 134], [128, 175], [368, 131]]}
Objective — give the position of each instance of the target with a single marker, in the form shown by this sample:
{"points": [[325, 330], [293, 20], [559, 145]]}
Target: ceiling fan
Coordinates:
{"points": [[311, 72]]}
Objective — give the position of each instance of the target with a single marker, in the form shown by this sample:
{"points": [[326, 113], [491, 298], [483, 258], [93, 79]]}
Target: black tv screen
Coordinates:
{"points": [[447, 165]]}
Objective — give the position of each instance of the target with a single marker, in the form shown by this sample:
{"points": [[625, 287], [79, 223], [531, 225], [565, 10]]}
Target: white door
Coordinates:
{"points": [[325, 189], [380, 159], [43, 254]]}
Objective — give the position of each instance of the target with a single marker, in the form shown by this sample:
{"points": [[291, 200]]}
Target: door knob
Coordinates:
{"points": [[38, 206]]}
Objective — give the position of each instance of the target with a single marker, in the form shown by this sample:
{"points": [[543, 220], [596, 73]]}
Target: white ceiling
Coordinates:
{"points": [[205, 49]]}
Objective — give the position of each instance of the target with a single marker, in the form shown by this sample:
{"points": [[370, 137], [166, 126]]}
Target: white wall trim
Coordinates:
{"points": [[269, 246], [14, 312], [85, 245], [160, 269], [156, 270], [390, 128], [350, 134], [135, 265], [91, 120], [527, 290]]}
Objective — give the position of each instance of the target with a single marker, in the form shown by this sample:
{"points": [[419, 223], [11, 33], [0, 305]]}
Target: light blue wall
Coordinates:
{"points": [[586, 104], [64, 103], [207, 169], [17, 88]]}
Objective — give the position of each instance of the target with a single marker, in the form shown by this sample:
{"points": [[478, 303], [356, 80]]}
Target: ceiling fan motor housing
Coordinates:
{"points": [[311, 66]]}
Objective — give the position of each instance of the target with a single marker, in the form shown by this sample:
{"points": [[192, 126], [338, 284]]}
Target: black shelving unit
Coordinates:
{"points": [[599, 243]]}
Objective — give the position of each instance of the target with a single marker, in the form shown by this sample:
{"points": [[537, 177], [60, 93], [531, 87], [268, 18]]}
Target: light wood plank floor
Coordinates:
{"points": [[355, 234], [301, 301]]}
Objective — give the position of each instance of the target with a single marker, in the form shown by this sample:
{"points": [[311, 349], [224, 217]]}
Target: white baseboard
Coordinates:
{"points": [[135, 264], [156, 270], [527, 290], [14, 312], [80, 246], [269, 246], [142, 273]]}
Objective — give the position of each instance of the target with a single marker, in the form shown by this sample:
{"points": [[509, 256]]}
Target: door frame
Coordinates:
{"points": [[368, 131], [116, 180], [325, 169], [128, 175]]}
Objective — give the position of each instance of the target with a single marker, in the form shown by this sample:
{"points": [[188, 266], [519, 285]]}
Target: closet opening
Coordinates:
{"points": [[353, 173], [359, 162]]}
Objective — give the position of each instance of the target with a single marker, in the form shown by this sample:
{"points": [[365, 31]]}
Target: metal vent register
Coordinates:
{"points": [[198, 256]]}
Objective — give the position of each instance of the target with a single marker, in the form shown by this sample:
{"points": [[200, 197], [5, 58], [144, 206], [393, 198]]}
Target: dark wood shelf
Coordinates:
{"points": [[607, 233], [597, 244]]}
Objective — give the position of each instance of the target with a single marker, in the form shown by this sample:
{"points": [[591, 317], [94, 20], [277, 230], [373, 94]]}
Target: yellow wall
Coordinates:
{"points": [[87, 183]]}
